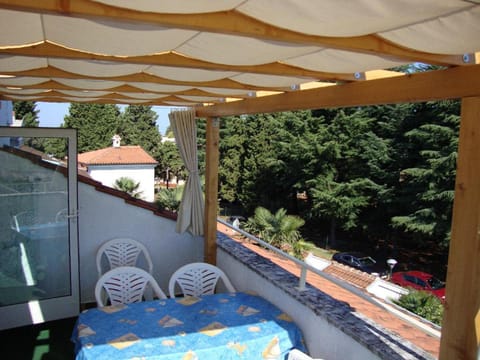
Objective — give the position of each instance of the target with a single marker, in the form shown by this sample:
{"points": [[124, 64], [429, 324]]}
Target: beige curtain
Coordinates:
{"points": [[191, 212]]}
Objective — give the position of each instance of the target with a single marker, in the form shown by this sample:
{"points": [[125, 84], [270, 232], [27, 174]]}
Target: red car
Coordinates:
{"points": [[420, 280]]}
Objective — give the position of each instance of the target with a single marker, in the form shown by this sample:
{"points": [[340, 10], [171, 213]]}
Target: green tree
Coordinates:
{"points": [[429, 182], [251, 172], [170, 164], [96, 124], [129, 186], [351, 157], [232, 152], [391, 122], [138, 126], [359, 167], [282, 173], [27, 111], [56, 147]]}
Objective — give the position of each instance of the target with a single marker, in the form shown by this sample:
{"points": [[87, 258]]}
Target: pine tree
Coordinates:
{"points": [[350, 157], [138, 126], [96, 124], [429, 182]]}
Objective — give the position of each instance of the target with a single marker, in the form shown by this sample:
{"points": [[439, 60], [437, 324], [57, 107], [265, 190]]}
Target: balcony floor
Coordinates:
{"points": [[47, 341]]}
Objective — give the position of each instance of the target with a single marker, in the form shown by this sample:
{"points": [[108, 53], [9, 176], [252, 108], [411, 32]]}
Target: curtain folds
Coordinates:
{"points": [[191, 212]]}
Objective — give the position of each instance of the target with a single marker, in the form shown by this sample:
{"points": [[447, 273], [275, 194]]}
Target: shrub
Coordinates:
{"points": [[170, 199], [424, 304]]}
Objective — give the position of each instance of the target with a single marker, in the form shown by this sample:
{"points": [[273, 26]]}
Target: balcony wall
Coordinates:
{"points": [[332, 329]]}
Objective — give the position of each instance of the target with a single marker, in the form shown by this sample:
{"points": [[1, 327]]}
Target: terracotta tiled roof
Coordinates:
{"points": [[350, 275], [121, 155]]}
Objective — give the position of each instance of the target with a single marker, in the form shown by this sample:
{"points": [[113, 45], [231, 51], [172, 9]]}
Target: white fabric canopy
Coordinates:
{"points": [[203, 52], [190, 216]]}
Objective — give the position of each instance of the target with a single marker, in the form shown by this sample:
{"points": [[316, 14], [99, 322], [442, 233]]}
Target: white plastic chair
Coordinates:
{"points": [[197, 279], [125, 285], [122, 252], [296, 354]]}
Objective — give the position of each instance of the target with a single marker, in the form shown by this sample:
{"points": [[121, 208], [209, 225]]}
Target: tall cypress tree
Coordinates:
{"points": [[96, 124], [138, 126], [232, 152]]}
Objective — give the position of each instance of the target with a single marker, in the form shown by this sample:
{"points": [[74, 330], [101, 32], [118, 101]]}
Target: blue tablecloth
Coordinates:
{"points": [[221, 326]]}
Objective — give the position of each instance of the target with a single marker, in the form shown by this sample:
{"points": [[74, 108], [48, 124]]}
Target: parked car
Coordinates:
{"points": [[420, 280], [361, 262]]}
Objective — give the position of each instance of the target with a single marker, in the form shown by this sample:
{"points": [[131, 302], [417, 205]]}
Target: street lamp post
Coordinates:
{"points": [[391, 264]]}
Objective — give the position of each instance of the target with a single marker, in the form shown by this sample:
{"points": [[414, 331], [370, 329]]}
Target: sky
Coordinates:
{"points": [[52, 114]]}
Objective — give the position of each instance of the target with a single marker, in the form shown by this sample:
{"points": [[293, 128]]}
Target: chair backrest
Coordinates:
{"points": [[122, 252], [197, 279], [125, 285]]}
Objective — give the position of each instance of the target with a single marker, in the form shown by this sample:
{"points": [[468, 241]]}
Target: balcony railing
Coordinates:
{"points": [[304, 267]]}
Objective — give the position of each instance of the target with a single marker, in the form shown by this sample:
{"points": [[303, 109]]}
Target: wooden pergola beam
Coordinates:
{"points": [[453, 83]]}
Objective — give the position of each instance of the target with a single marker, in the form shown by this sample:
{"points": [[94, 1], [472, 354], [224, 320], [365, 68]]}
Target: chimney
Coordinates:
{"points": [[116, 141]]}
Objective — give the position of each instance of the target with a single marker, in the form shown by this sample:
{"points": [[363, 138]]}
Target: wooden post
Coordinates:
{"points": [[211, 189], [460, 330]]}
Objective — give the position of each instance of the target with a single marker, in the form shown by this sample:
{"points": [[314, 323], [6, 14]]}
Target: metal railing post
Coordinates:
{"points": [[303, 279]]}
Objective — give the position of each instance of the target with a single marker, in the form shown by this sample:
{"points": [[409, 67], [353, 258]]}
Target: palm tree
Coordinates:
{"points": [[279, 230], [170, 198], [129, 186]]}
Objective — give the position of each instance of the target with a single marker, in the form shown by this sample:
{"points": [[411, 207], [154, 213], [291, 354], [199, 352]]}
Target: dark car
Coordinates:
{"points": [[361, 262], [420, 280]]}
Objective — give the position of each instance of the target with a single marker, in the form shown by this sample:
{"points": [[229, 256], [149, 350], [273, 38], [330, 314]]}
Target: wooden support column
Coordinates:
{"points": [[460, 330], [211, 189]]}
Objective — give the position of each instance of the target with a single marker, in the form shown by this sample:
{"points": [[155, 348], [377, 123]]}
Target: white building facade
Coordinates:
{"points": [[110, 164]]}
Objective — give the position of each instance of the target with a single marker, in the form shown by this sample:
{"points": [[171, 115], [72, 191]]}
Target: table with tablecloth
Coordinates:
{"points": [[220, 326]]}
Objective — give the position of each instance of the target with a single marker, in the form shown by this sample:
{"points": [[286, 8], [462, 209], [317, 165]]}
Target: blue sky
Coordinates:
{"points": [[52, 114]]}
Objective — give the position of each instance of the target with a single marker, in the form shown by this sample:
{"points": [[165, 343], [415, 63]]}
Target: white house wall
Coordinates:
{"points": [[143, 174], [103, 217]]}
